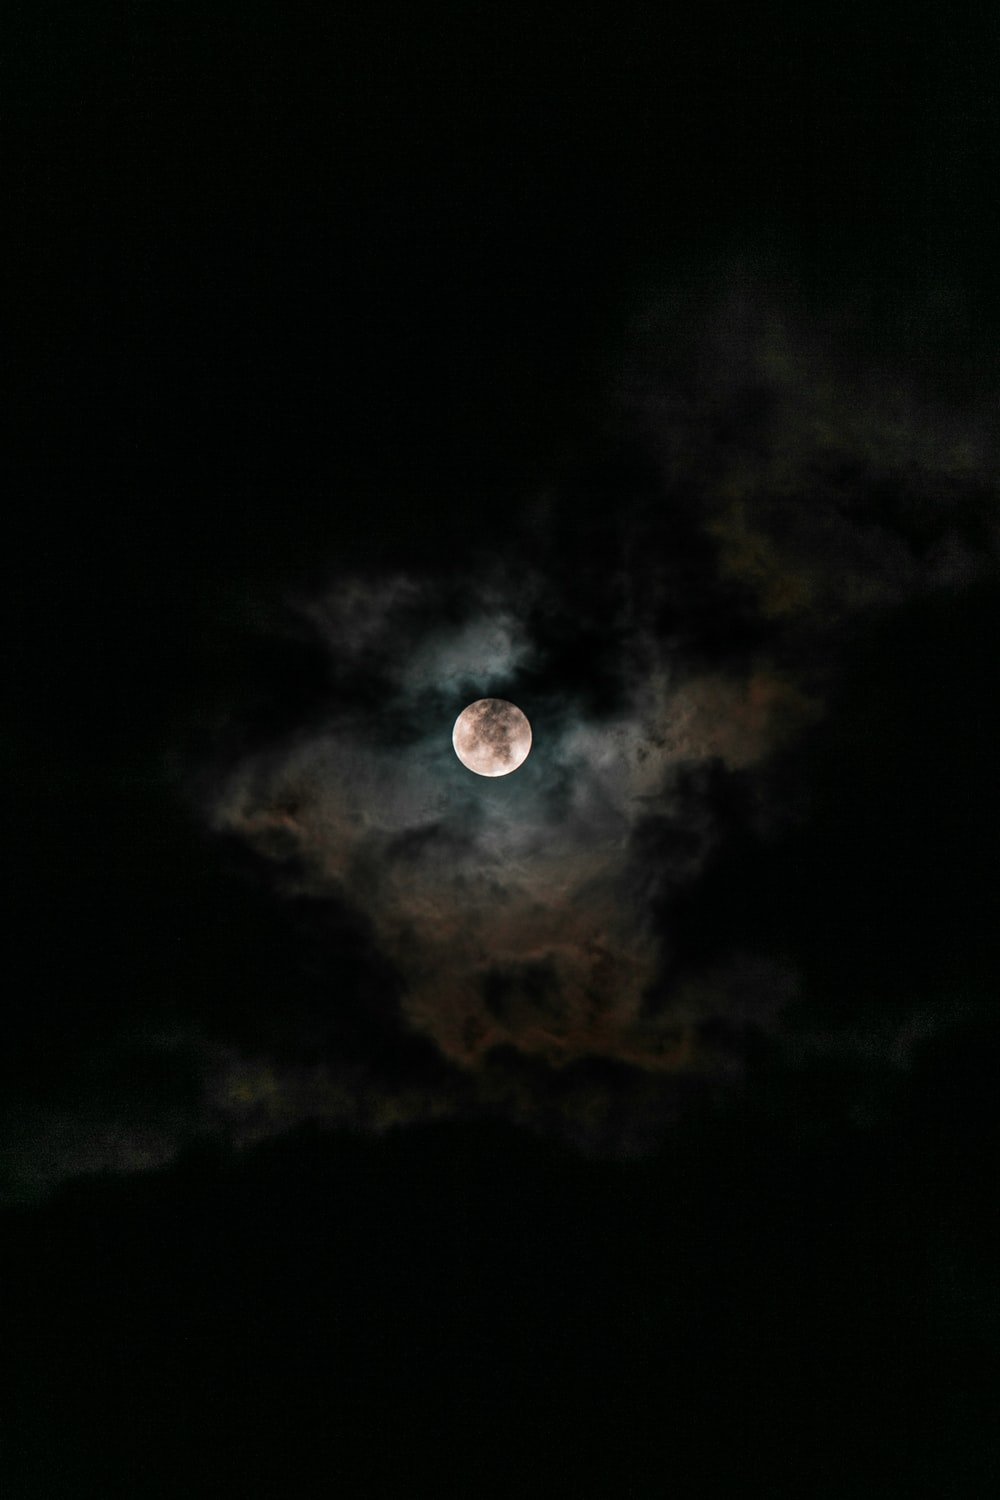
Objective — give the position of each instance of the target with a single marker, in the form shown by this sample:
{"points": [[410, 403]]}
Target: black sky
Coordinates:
{"points": [[626, 1127]]}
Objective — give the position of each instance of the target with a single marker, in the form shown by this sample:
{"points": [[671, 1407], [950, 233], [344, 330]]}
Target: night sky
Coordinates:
{"points": [[625, 1126]]}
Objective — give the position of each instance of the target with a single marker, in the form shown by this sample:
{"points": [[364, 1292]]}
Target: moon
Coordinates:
{"points": [[491, 737]]}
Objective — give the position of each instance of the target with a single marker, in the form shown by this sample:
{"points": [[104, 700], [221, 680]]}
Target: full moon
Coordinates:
{"points": [[492, 737]]}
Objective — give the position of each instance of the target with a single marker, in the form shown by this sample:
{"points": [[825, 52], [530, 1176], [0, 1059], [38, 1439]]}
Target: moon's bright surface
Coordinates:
{"points": [[492, 737]]}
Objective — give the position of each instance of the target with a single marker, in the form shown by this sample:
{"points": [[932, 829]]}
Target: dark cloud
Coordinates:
{"points": [[583, 945], [831, 481], [672, 630]]}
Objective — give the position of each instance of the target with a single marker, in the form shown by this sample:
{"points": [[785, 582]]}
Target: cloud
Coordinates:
{"points": [[668, 648], [565, 946], [519, 915], [831, 481]]}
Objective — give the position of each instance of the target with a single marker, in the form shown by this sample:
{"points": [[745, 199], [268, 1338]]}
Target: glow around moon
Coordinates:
{"points": [[491, 737]]}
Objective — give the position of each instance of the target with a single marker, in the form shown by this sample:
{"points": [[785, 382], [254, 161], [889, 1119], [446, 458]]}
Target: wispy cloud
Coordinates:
{"points": [[672, 626], [528, 919]]}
